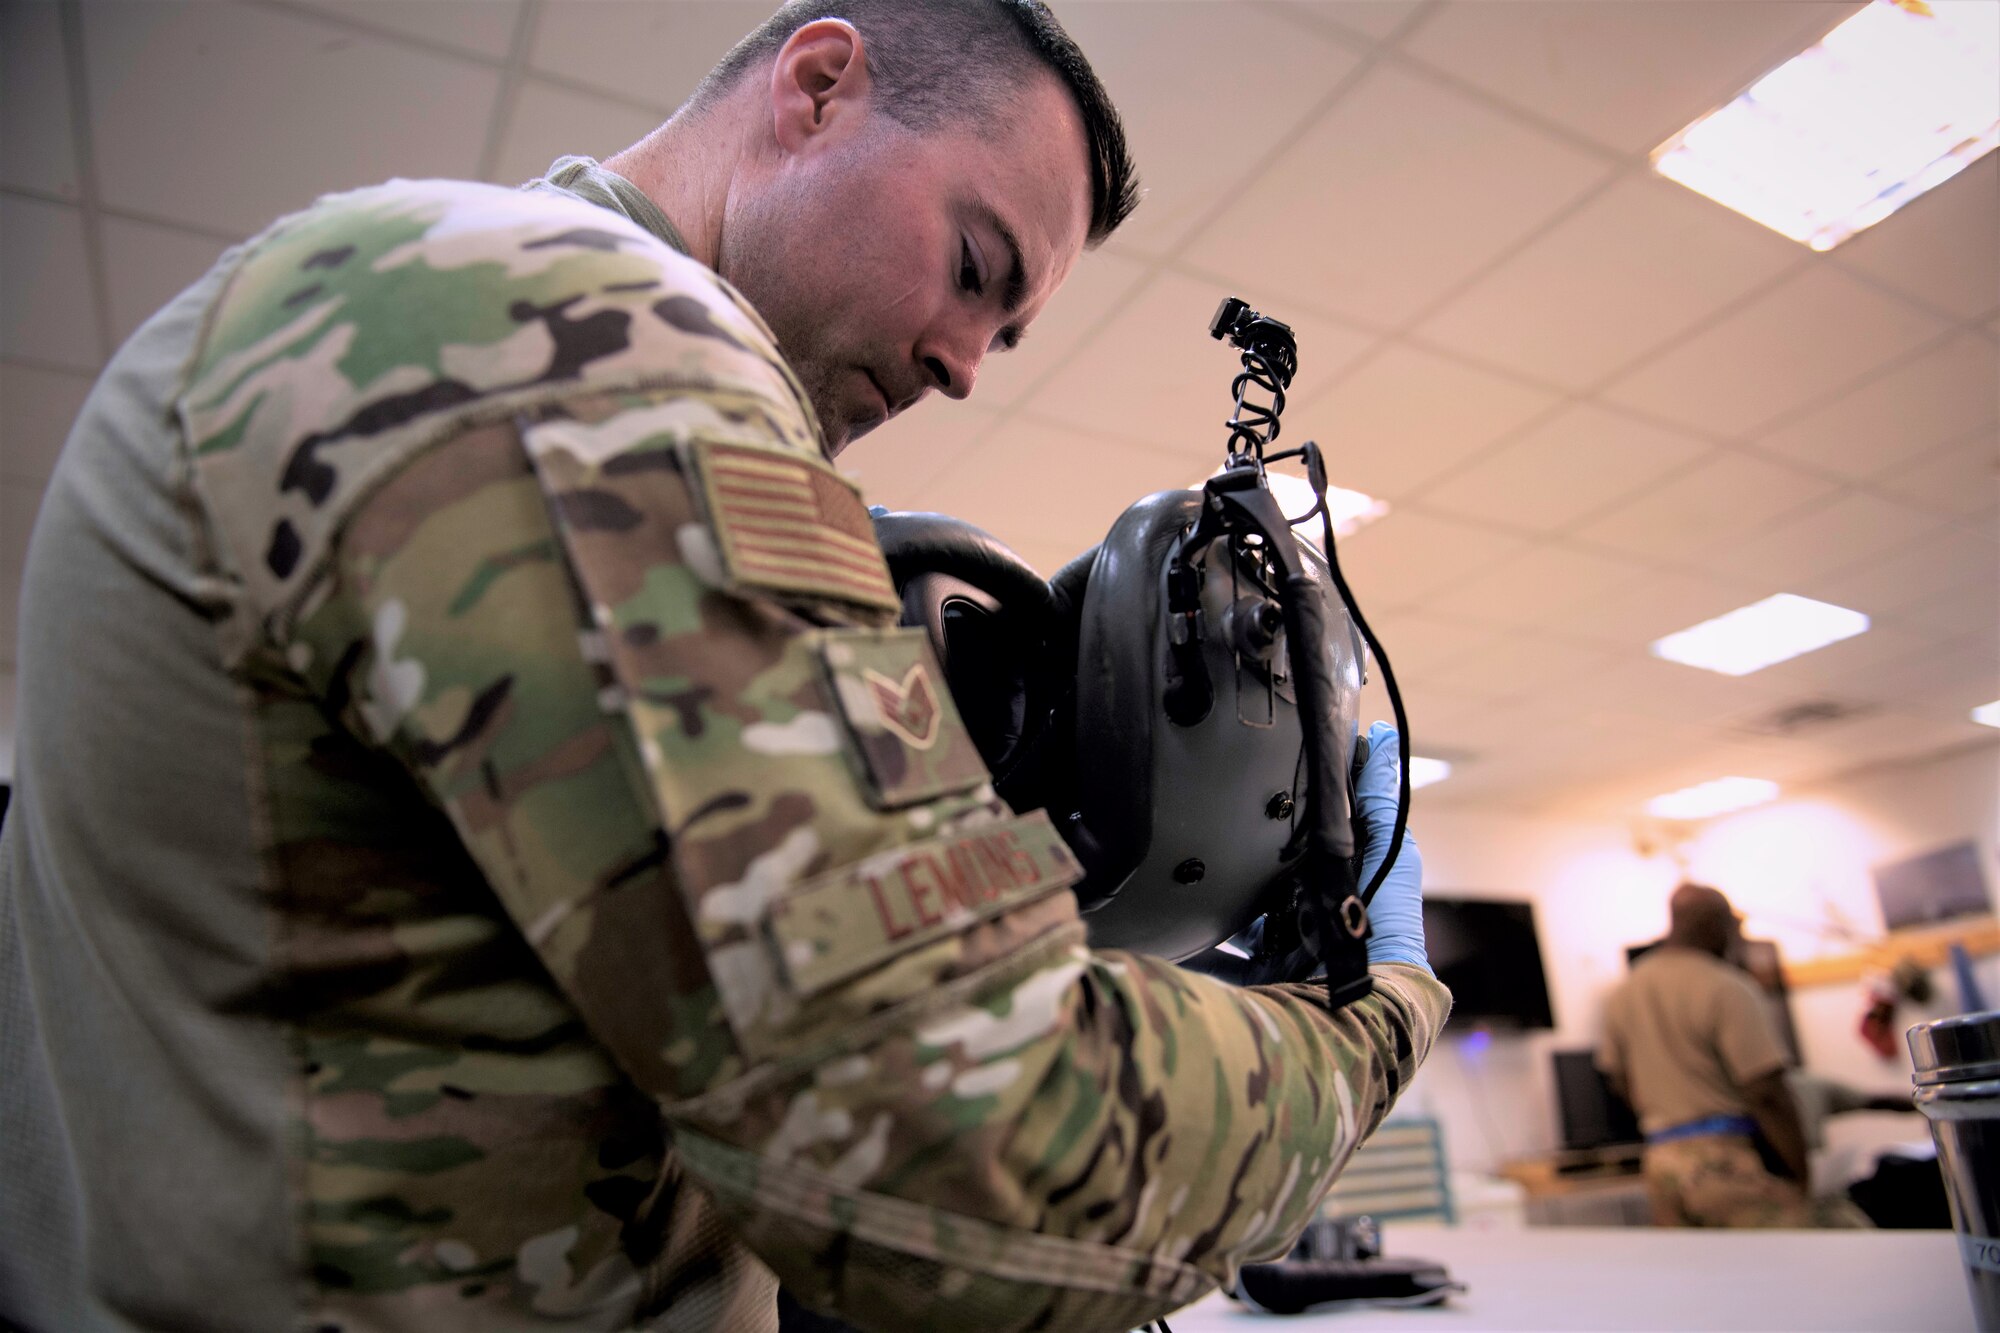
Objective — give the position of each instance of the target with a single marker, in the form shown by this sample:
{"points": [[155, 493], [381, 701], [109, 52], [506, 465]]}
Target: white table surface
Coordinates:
{"points": [[1642, 1278]]}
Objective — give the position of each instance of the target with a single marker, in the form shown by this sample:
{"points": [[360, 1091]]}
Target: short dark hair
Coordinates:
{"points": [[936, 62]]}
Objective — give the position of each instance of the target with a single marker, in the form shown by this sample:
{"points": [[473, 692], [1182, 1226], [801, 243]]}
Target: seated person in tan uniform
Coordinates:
{"points": [[1688, 1042]]}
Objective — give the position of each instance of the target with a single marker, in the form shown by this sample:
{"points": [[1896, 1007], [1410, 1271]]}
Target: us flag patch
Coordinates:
{"points": [[792, 525]]}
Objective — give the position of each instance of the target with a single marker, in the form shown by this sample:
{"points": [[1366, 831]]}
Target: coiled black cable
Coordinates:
{"points": [[1269, 366]]}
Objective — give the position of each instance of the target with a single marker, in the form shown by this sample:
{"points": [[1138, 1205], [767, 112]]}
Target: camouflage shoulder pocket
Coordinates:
{"points": [[903, 732]]}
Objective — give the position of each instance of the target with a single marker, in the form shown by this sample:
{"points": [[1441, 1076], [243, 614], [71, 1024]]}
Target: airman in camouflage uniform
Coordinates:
{"points": [[534, 883]]}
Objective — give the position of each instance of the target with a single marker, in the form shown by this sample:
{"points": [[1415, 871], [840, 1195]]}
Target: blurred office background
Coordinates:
{"points": [[1598, 407]]}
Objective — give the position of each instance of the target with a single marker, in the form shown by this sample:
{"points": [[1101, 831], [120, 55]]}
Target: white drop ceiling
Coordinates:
{"points": [[1601, 407]]}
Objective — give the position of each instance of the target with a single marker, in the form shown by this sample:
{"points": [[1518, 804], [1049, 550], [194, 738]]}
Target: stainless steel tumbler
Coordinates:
{"points": [[1957, 1064]]}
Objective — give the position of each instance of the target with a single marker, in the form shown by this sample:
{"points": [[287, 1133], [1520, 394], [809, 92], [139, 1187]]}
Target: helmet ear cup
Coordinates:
{"points": [[987, 613], [917, 543], [1118, 689]]}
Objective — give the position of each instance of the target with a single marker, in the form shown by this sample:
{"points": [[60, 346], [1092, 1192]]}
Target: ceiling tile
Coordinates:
{"points": [[1568, 467], [1728, 497], [1626, 75], [1968, 607], [1881, 738], [641, 48], [1942, 249], [1523, 664], [147, 266], [1475, 735], [1394, 198], [1003, 485], [1838, 534], [1654, 606], [1260, 76], [1373, 19], [1634, 266], [1962, 478], [1419, 646], [1945, 682], [40, 406], [548, 122], [1100, 282], [1645, 686], [1810, 336], [899, 464], [1445, 724], [46, 300], [1829, 672], [18, 503], [1544, 589], [224, 116], [1405, 557], [1895, 585], [1153, 374], [1407, 416], [36, 152], [1984, 637], [1944, 392], [483, 27]]}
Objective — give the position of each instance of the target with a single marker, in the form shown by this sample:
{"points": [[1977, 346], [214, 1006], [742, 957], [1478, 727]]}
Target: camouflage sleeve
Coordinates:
{"points": [[756, 848], [633, 640]]}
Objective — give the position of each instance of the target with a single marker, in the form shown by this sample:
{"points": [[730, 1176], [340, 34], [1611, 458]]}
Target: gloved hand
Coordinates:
{"points": [[1396, 916]]}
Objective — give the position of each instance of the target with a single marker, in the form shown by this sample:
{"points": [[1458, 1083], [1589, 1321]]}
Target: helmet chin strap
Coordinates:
{"points": [[1327, 913]]}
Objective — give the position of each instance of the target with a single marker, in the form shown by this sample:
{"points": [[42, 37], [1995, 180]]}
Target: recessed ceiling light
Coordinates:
{"points": [[1753, 637], [1712, 798], [1423, 772], [1987, 714], [1352, 511], [1893, 102]]}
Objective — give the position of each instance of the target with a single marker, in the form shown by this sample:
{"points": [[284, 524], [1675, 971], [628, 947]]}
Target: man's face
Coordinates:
{"points": [[890, 263]]}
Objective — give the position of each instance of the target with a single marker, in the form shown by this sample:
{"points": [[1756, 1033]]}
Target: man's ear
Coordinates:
{"points": [[819, 83]]}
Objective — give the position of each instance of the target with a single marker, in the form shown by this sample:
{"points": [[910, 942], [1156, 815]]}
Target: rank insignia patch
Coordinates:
{"points": [[903, 732], [909, 707], [790, 524]]}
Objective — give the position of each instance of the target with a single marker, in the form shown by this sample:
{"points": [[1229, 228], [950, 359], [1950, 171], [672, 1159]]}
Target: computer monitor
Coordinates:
{"points": [[1593, 1116], [1487, 951]]}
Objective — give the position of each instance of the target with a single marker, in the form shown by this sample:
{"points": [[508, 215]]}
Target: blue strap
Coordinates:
{"points": [[1714, 1124]]}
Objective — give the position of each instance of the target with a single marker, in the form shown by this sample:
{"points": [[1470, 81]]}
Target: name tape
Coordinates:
{"points": [[858, 917]]}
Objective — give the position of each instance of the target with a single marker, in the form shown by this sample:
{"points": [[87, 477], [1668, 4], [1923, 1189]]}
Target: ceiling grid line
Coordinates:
{"points": [[1305, 19], [117, 213], [82, 146], [507, 96], [433, 47], [1885, 288], [1881, 371]]}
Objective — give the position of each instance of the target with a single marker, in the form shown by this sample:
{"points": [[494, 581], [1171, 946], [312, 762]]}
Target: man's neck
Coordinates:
{"points": [[686, 169], [1694, 945]]}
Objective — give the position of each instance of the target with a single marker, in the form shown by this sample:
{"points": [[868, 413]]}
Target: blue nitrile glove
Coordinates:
{"points": [[1396, 917]]}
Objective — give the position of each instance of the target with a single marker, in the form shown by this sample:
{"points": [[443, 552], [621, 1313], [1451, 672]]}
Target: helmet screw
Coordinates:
{"points": [[1190, 871], [1279, 806]]}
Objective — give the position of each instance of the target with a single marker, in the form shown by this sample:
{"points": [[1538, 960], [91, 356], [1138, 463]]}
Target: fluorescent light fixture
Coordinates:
{"points": [[1423, 772], [1753, 637], [1987, 714], [1712, 798], [1351, 510], [1893, 102]]}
